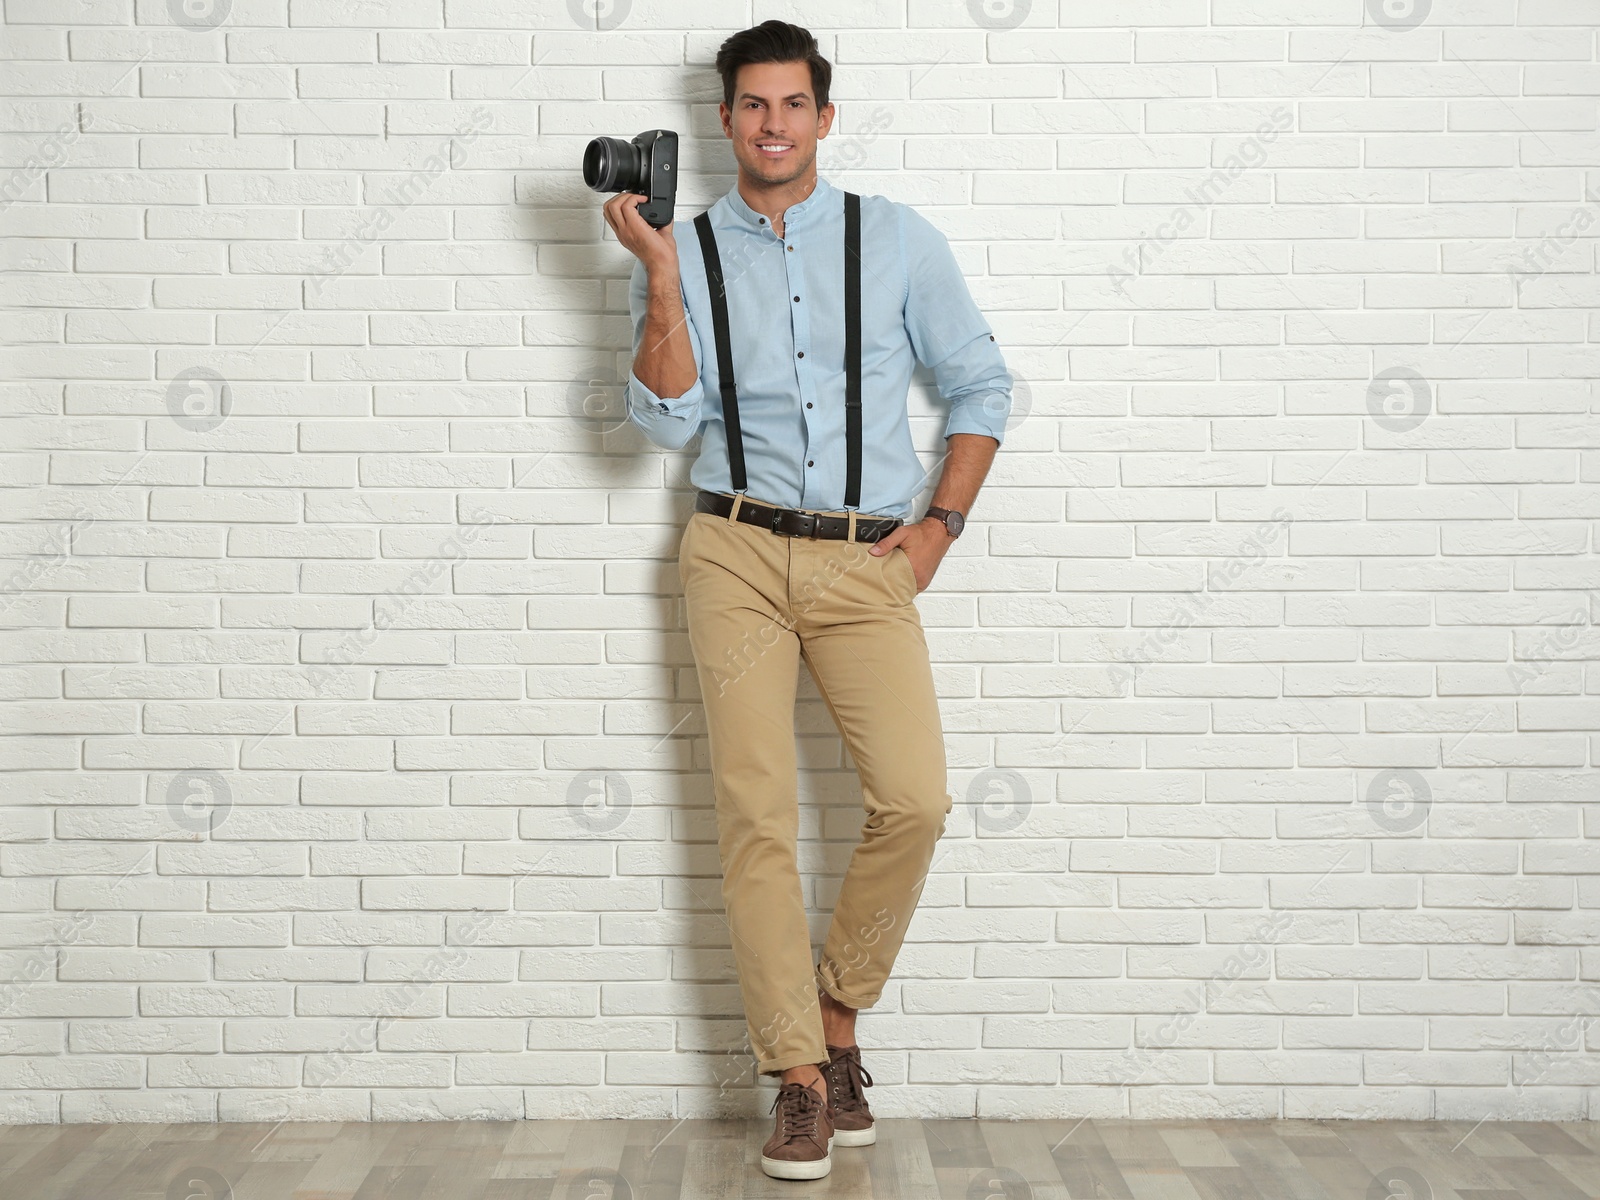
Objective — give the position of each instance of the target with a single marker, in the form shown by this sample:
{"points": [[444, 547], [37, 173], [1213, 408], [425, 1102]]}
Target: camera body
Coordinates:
{"points": [[648, 166]]}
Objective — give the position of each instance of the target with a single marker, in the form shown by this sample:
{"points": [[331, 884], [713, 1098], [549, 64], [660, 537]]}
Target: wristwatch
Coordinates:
{"points": [[953, 521]]}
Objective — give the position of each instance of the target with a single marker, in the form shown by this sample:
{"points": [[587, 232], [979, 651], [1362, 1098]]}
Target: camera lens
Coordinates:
{"points": [[613, 165]]}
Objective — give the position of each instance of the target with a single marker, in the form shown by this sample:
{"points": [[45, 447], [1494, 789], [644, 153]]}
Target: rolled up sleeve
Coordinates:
{"points": [[949, 334], [669, 422]]}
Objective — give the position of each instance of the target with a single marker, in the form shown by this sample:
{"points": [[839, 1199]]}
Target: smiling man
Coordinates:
{"points": [[786, 336]]}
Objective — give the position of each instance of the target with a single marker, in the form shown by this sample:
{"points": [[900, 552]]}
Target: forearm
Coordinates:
{"points": [[665, 362], [966, 464]]}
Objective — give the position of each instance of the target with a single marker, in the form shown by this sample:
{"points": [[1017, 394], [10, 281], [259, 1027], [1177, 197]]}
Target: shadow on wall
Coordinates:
{"points": [[584, 273]]}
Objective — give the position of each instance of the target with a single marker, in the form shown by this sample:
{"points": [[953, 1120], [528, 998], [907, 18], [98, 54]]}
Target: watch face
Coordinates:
{"points": [[955, 523]]}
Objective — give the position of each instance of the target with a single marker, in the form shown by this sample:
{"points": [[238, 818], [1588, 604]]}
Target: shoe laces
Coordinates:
{"points": [[799, 1107], [847, 1079]]}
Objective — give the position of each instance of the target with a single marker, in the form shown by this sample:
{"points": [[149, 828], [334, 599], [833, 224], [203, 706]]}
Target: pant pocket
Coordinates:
{"points": [[908, 573]]}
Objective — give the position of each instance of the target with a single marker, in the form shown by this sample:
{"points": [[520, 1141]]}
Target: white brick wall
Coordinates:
{"points": [[1270, 649]]}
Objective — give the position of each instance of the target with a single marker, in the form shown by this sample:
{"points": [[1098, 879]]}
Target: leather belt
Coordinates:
{"points": [[794, 522]]}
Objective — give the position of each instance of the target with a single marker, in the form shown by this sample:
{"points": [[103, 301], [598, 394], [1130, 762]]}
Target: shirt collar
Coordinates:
{"points": [[821, 199]]}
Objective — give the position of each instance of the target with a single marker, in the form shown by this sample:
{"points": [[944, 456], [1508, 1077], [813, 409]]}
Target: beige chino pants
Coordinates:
{"points": [[756, 602]]}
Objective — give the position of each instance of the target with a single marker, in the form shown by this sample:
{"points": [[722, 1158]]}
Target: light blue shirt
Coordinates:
{"points": [[789, 365]]}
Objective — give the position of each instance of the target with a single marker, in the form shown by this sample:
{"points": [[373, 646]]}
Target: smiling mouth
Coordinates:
{"points": [[773, 149]]}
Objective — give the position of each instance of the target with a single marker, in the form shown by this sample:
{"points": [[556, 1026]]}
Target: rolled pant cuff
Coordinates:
{"points": [[842, 998], [798, 1059]]}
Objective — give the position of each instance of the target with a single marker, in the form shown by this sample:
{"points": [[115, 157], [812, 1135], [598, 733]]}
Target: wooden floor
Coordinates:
{"points": [[716, 1160]]}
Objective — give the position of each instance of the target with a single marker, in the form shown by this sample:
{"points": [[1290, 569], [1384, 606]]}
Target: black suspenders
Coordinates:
{"points": [[852, 349], [719, 320]]}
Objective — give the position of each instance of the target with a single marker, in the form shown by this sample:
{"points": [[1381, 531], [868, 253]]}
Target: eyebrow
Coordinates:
{"points": [[790, 96]]}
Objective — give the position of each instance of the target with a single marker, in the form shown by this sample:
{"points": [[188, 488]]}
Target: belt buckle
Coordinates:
{"points": [[808, 521]]}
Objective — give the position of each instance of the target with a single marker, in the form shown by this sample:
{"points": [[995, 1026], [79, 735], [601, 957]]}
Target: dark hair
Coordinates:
{"points": [[773, 41]]}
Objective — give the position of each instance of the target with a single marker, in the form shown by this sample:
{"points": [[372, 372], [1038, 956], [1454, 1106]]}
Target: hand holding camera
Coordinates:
{"points": [[645, 174], [657, 249]]}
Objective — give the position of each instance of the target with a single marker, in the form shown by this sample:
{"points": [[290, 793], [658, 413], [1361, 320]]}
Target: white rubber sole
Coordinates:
{"points": [[784, 1169], [855, 1137]]}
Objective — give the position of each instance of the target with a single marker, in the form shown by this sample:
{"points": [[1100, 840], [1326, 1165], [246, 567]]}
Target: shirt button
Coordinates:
{"points": [[808, 404], [791, 249], [797, 301], [802, 354], [810, 463]]}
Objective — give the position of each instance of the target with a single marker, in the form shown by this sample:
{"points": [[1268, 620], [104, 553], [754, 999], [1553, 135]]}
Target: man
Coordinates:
{"points": [[800, 545]]}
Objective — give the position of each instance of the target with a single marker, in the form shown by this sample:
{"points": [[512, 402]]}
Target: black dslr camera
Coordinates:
{"points": [[647, 165]]}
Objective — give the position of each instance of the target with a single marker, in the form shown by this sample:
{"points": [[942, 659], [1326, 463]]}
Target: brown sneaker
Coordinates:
{"points": [[847, 1101], [799, 1146]]}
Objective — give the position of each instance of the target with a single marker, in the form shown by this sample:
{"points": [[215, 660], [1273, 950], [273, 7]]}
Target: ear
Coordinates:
{"points": [[825, 120]]}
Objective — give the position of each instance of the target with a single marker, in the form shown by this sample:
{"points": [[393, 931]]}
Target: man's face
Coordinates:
{"points": [[773, 106]]}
